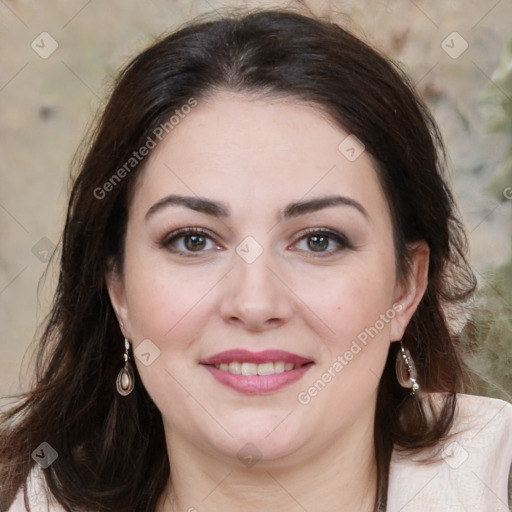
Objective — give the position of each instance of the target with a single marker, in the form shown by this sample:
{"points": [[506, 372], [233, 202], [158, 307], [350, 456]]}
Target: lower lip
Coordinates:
{"points": [[258, 384]]}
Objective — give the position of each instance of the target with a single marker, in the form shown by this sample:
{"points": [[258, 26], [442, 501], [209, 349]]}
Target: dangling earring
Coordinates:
{"points": [[125, 381], [406, 370]]}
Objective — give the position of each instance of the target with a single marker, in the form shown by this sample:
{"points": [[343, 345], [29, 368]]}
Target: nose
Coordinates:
{"points": [[256, 296]]}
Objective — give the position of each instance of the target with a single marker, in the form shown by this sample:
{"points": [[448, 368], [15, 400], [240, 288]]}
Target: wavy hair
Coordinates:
{"points": [[111, 449]]}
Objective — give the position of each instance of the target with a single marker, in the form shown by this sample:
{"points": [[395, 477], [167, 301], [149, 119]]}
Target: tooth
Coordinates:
{"points": [[235, 367], [266, 369], [279, 367], [249, 369]]}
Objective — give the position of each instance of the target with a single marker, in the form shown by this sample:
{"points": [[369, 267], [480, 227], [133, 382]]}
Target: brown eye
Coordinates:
{"points": [[188, 242], [318, 242], [323, 242], [195, 242]]}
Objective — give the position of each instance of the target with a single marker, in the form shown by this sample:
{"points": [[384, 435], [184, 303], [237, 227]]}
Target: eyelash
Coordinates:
{"points": [[174, 236], [339, 238]]}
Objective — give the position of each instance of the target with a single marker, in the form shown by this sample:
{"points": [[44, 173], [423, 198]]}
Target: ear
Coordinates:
{"points": [[115, 287], [410, 290]]}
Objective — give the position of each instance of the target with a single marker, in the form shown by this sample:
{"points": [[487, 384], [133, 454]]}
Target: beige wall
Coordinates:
{"points": [[47, 103]]}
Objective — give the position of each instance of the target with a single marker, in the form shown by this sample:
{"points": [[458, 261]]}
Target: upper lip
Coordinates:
{"points": [[245, 356]]}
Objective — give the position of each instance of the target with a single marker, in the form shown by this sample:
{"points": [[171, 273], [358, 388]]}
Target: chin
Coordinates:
{"points": [[267, 435]]}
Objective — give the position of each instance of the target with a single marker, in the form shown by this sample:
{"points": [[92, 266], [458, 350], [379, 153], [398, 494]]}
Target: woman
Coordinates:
{"points": [[258, 255]]}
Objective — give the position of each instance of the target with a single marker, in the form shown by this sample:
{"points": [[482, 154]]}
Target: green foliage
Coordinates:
{"points": [[489, 337], [497, 100]]}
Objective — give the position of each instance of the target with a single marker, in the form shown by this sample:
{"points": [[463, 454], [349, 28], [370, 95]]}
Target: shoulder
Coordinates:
{"points": [[470, 469], [37, 495], [480, 411]]}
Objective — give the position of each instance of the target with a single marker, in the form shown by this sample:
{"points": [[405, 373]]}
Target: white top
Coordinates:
{"points": [[470, 473]]}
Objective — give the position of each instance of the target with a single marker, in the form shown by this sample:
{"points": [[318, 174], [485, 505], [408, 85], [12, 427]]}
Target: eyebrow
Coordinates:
{"points": [[301, 207], [219, 209], [198, 204]]}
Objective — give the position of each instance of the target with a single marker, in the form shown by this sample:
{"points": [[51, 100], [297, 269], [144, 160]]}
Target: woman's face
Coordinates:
{"points": [[288, 273]]}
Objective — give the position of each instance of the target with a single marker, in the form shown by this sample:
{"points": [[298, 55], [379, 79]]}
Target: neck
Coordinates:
{"points": [[342, 477]]}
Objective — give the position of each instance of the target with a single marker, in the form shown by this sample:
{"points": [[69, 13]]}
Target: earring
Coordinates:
{"points": [[406, 370], [125, 381]]}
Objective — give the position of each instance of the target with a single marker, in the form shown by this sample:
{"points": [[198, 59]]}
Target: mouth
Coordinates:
{"points": [[257, 372], [268, 368]]}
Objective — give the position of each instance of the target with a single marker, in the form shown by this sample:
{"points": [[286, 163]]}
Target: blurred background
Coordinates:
{"points": [[57, 63]]}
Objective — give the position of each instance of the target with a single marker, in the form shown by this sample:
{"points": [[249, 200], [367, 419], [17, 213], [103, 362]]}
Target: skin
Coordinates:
{"points": [[256, 156]]}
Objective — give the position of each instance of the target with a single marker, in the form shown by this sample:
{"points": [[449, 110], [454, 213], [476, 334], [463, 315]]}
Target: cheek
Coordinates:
{"points": [[356, 306], [170, 307], [160, 298], [351, 300], [170, 312], [358, 310]]}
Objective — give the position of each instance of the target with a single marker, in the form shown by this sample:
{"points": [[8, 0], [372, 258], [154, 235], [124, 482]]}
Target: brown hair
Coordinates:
{"points": [[111, 449]]}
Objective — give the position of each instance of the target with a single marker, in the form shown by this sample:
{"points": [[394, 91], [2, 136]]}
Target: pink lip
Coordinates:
{"points": [[256, 384], [245, 356]]}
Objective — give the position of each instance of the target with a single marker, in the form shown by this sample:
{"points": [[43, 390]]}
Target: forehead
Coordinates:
{"points": [[259, 152]]}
